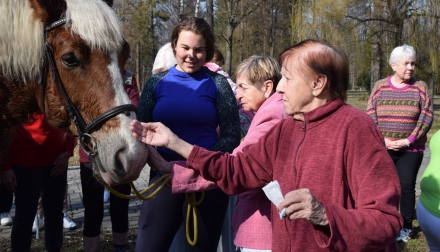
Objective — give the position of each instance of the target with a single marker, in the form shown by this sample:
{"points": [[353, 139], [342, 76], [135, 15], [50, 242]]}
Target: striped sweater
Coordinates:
{"points": [[401, 113]]}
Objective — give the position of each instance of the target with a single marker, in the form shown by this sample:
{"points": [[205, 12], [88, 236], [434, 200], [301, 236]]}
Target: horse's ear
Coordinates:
{"points": [[48, 11]]}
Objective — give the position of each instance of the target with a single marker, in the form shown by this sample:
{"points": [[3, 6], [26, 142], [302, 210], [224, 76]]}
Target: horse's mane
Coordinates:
{"points": [[21, 40], [22, 36], [96, 23]]}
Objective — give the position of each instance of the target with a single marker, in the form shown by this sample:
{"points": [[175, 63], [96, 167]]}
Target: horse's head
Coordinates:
{"points": [[86, 52]]}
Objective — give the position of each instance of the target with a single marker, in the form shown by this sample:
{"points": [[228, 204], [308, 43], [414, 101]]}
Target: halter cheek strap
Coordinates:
{"points": [[82, 128]]}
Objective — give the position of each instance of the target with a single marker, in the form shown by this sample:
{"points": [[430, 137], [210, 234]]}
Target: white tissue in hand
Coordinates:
{"points": [[274, 194]]}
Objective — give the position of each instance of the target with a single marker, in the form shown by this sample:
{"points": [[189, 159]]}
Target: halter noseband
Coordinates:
{"points": [[82, 128]]}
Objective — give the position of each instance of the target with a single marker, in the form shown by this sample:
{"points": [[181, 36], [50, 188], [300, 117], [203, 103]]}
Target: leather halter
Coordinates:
{"points": [[82, 127]]}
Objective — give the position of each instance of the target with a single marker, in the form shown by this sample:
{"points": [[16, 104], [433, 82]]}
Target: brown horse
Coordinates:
{"points": [[62, 57]]}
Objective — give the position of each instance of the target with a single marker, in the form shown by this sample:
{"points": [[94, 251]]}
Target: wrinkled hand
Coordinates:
{"points": [[301, 204], [155, 134], [156, 161], [9, 180], [388, 143], [60, 164], [396, 145]]}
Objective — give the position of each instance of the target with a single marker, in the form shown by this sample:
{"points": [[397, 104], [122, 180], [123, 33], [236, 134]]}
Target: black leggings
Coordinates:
{"points": [[94, 204], [407, 165], [30, 183], [162, 216]]}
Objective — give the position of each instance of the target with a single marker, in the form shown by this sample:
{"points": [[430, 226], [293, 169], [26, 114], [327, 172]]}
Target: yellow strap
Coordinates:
{"points": [[165, 178], [192, 203], [190, 198]]}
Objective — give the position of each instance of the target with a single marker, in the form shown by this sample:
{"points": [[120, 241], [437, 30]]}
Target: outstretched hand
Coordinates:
{"points": [[155, 134]]}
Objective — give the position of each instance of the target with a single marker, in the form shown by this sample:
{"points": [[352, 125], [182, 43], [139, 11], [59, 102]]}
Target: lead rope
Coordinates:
{"points": [[192, 203], [190, 198], [165, 178]]}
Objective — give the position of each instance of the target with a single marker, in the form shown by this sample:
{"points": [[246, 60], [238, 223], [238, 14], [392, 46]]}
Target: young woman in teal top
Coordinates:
{"points": [[192, 101], [428, 206]]}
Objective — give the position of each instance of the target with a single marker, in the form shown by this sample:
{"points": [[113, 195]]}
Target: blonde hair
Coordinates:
{"points": [[259, 69], [21, 42]]}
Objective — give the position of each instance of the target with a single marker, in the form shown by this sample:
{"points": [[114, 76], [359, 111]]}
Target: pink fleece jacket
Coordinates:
{"points": [[339, 154]]}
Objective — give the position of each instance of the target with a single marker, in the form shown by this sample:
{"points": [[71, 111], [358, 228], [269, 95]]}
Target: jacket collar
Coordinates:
{"points": [[323, 112]]}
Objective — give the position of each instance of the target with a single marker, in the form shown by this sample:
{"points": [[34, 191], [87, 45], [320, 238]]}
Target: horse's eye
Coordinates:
{"points": [[70, 60]]}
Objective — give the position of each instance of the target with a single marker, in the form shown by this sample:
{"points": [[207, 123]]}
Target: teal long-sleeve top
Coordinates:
{"points": [[193, 106]]}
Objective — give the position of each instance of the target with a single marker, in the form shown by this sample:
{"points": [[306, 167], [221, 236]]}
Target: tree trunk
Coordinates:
{"points": [[138, 67], [197, 8], [230, 31], [210, 13]]}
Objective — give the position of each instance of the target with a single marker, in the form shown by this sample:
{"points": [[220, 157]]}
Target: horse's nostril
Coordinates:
{"points": [[120, 164]]}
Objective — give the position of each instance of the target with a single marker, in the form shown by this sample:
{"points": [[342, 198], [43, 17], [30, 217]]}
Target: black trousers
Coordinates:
{"points": [[407, 165], [94, 204], [30, 182], [162, 216], [6, 198]]}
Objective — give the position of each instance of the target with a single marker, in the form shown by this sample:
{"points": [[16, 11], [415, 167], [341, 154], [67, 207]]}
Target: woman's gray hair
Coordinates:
{"points": [[401, 51]]}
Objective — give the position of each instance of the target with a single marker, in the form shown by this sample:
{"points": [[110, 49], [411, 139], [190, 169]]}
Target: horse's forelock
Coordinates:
{"points": [[21, 40], [96, 23]]}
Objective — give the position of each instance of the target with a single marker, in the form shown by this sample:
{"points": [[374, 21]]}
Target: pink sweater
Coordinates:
{"points": [[339, 154], [251, 220]]}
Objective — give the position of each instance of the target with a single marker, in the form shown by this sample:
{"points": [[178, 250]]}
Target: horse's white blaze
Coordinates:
{"points": [[131, 153]]}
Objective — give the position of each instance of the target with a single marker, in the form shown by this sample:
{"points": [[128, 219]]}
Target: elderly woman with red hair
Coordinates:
{"points": [[341, 189]]}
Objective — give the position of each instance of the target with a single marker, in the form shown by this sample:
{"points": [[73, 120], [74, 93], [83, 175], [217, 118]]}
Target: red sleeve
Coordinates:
{"points": [[239, 173], [133, 93], [70, 144], [184, 180], [134, 82]]}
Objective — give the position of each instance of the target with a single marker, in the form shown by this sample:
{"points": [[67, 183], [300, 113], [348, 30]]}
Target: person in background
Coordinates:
{"points": [[6, 199], [68, 223], [341, 196], [106, 195], [193, 101], [402, 108], [215, 65], [37, 163], [129, 78], [257, 78], [164, 59], [428, 205], [93, 191]]}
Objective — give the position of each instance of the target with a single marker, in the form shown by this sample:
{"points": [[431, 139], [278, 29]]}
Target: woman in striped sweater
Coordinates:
{"points": [[403, 110]]}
